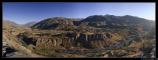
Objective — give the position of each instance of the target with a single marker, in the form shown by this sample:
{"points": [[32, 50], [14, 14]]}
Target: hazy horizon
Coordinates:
{"points": [[22, 13]]}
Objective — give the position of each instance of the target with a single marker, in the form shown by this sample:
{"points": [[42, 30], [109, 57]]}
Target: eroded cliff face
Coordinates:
{"points": [[70, 40], [90, 40]]}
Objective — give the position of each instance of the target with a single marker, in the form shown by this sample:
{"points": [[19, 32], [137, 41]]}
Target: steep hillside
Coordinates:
{"points": [[54, 23], [10, 31], [127, 20]]}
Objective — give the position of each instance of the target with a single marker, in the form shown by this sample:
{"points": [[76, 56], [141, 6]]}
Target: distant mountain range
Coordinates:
{"points": [[9, 22], [96, 21], [29, 24]]}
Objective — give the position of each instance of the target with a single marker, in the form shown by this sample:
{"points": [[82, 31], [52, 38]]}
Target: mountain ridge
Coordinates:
{"points": [[95, 21]]}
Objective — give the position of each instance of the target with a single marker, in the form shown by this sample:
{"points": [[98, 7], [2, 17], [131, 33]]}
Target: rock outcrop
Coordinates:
{"points": [[67, 40]]}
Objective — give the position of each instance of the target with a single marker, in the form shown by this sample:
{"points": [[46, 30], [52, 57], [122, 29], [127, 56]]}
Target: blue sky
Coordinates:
{"points": [[24, 12]]}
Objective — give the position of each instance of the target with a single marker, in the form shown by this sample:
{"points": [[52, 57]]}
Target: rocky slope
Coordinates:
{"points": [[10, 30]]}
